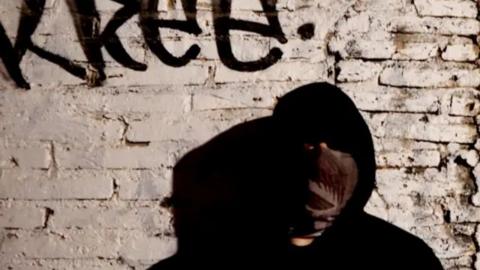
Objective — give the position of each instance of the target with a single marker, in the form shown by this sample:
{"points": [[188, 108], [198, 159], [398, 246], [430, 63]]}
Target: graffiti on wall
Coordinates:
{"points": [[86, 19]]}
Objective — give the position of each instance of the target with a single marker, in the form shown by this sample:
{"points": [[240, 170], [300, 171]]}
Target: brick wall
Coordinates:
{"points": [[85, 161]]}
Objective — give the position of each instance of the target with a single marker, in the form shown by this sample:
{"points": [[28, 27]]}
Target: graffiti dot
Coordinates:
{"points": [[306, 31]]}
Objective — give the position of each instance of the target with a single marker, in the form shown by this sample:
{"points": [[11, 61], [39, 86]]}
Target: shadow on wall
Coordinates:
{"points": [[228, 197]]}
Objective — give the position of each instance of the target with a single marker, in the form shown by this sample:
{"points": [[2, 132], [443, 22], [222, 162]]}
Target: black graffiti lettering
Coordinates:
{"points": [[150, 25], [87, 24], [32, 11], [10, 60], [110, 39], [223, 23], [306, 31], [68, 65], [86, 19]]}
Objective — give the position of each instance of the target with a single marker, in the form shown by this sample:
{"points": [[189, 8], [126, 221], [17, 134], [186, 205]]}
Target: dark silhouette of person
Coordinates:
{"points": [[327, 132], [288, 191]]}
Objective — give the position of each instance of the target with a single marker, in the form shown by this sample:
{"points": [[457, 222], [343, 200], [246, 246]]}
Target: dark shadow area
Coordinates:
{"points": [[228, 199]]}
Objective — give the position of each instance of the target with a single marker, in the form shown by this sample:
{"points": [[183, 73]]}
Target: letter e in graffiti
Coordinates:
{"points": [[223, 23], [150, 25]]}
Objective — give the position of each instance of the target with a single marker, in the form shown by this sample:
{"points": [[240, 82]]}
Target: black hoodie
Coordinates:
{"points": [[236, 197], [321, 112]]}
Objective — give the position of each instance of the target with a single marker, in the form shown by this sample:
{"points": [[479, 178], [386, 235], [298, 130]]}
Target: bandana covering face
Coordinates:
{"points": [[332, 179]]}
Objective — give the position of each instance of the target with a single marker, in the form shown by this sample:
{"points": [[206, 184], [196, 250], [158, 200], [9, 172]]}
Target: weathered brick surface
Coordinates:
{"points": [[250, 96], [73, 243], [423, 127], [85, 172], [111, 217], [462, 50], [30, 157], [143, 247], [466, 103], [152, 184], [369, 96], [295, 71], [421, 74], [452, 8], [195, 126], [63, 264], [63, 184], [14, 216], [357, 71], [434, 25]]}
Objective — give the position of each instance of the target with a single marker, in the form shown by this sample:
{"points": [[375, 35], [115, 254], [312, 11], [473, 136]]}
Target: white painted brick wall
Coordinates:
{"points": [[440, 8], [422, 74], [61, 184], [85, 171], [21, 217]]}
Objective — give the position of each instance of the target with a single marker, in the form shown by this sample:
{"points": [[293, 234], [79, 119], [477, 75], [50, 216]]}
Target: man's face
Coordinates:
{"points": [[332, 178]]}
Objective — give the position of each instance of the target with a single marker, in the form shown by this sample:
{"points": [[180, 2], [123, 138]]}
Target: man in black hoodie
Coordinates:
{"points": [[326, 132], [288, 191]]}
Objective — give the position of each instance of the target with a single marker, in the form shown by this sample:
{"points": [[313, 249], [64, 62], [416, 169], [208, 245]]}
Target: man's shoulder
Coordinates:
{"points": [[387, 231], [393, 240], [390, 235]]}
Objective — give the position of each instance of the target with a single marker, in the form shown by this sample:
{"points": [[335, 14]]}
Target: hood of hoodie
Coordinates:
{"points": [[322, 112]]}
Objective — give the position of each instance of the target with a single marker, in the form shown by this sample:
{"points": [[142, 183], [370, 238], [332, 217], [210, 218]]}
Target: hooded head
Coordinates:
{"points": [[329, 150]]}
